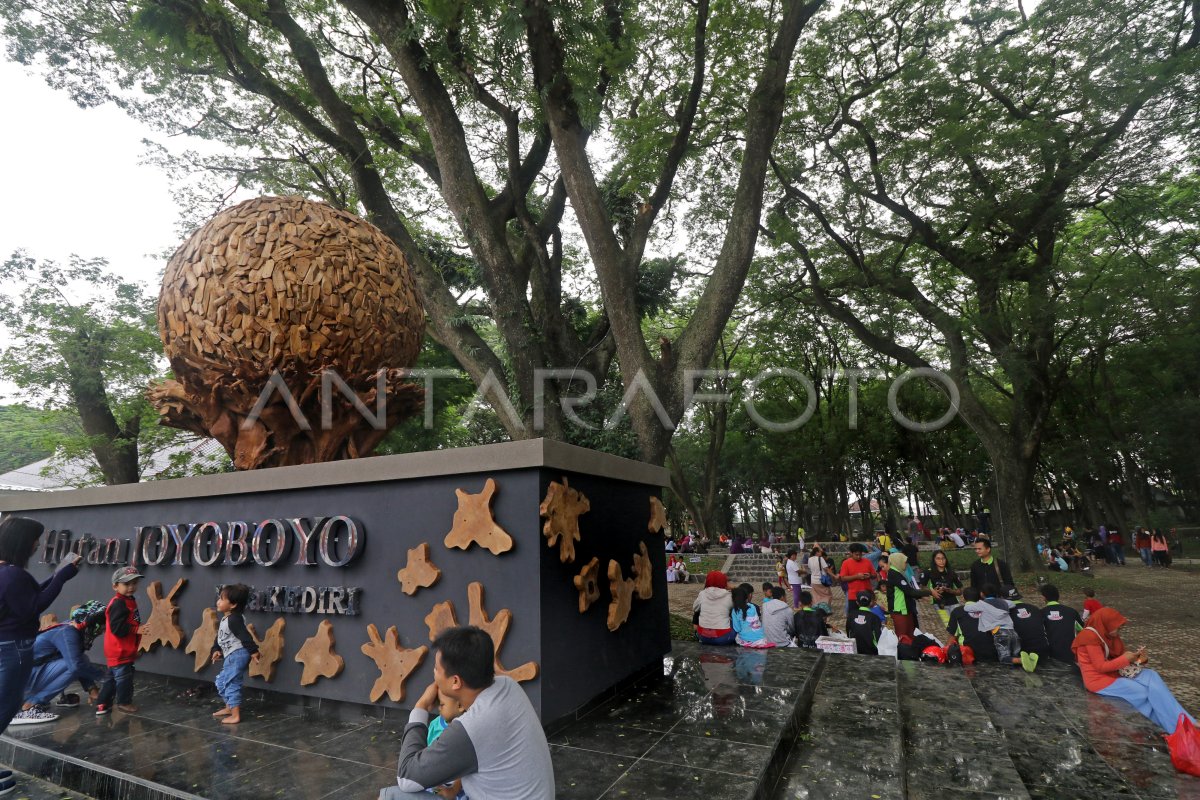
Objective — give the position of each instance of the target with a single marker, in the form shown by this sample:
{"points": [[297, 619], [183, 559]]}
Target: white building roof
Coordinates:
{"points": [[55, 474]]}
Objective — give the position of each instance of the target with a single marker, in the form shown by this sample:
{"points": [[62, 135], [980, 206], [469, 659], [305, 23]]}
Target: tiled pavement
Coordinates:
{"points": [[720, 722]]}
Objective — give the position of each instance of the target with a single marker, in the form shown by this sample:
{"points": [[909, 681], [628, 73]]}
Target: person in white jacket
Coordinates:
{"points": [[712, 609], [778, 619]]}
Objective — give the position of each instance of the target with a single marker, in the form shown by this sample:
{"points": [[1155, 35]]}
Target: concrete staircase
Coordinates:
{"points": [[751, 568]]}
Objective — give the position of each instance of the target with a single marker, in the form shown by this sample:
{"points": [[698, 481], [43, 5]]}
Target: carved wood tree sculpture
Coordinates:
{"points": [[562, 508], [318, 656], [473, 522], [163, 625], [203, 638], [419, 572], [395, 663], [287, 285], [497, 628], [622, 596], [643, 573], [658, 515], [270, 650], [588, 584], [440, 618]]}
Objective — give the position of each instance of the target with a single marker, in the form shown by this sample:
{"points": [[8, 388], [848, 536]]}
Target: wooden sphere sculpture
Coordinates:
{"points": [[295, 287]]}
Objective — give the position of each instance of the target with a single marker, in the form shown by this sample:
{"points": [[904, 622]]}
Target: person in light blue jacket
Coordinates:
{"points": [[744, 617]]}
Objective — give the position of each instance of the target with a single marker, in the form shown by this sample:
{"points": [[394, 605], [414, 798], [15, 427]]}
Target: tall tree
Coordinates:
{"points": [[91, 356], [934, 165], [470, 125]]}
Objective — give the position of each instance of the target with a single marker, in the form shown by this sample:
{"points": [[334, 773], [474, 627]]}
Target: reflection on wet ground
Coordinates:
{"points": [[720, 722]]}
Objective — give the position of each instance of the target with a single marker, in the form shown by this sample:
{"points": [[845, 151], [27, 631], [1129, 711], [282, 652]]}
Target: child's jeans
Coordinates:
{"points": [[119, 683], [233, 673], [1008, 646]]}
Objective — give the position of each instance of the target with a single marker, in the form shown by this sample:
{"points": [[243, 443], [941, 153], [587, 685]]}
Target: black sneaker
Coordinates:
{"points": [[103, 709], [7, 785], [67, 700]]}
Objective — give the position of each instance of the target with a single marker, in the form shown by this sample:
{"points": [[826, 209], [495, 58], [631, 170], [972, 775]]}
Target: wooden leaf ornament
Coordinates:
{"points": [[291, 287], [163, 625], [497, 628], [658, 515], [562, 509], [419, 572], [622, 596], [643, 574], [318, 656], [203, 638], [395, 663], [588, 584], [440, 618], [474, 524], [270, 650]]}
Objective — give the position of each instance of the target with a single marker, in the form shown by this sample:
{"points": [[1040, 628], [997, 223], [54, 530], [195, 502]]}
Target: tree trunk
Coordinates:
{"points": [[1012, 522]]}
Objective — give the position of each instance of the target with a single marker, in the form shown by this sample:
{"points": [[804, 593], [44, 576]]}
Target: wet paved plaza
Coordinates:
{"points": [[724, 722]]}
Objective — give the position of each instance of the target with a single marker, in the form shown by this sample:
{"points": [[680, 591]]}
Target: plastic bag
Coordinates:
{"points": [[1185, 746], [887, 643]]}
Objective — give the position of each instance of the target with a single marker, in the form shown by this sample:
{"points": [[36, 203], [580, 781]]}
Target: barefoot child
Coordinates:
{"points": [[120, 643], [236, 646]]}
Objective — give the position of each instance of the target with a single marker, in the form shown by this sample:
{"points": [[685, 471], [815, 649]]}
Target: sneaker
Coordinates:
{"points": [[5, 774], [7, 785], [127, 708], [67, 700], [103, 709], [33, 716]]}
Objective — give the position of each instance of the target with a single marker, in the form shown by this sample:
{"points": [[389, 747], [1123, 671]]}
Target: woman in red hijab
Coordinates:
{"points": [[1102, 657], [712, 609]]}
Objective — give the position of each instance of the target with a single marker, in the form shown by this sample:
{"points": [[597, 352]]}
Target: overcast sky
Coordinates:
{"points": [[73, 182]]}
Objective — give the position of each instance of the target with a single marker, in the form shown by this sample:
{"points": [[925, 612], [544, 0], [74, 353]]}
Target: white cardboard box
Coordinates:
{"points": [[837, 644]]}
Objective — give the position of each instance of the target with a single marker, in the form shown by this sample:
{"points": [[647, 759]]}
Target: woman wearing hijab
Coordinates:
{"points": [[902, 595], [1102, 659], [711, 611]]}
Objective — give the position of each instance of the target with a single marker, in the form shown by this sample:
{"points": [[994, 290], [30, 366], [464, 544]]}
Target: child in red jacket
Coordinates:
{"points": [[120, 643], [1091, 605]]}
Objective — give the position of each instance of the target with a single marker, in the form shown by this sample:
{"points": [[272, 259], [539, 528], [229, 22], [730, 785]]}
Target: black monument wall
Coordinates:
{"points": [[578, 656]]}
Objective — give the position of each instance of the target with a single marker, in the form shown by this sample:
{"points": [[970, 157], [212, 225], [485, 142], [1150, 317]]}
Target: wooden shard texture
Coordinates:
{"points": [[588, 584], [290, 287], [162, 627], [419, 572], [658, 515], [440, 618], [474, 524], [643, 573], [318, 656], [497, 628], [562, 508], [270, 650], [395, 663], [622, 596], [47, 621], [203, 638]]}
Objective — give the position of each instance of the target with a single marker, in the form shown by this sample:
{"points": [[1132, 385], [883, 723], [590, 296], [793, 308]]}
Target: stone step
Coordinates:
{"points": [[951, 746], [851, 745]]}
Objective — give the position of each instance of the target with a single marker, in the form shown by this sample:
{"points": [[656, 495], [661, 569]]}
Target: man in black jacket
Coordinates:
{"points": [[989, 569], [1061, 624], [964, 627]]}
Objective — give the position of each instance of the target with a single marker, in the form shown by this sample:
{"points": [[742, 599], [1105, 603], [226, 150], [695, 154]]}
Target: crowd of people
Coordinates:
{"points": [[984, 617]]}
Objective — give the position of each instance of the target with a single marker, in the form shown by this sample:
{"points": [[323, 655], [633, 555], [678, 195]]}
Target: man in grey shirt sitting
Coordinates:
{"points": [[497, 746]]}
